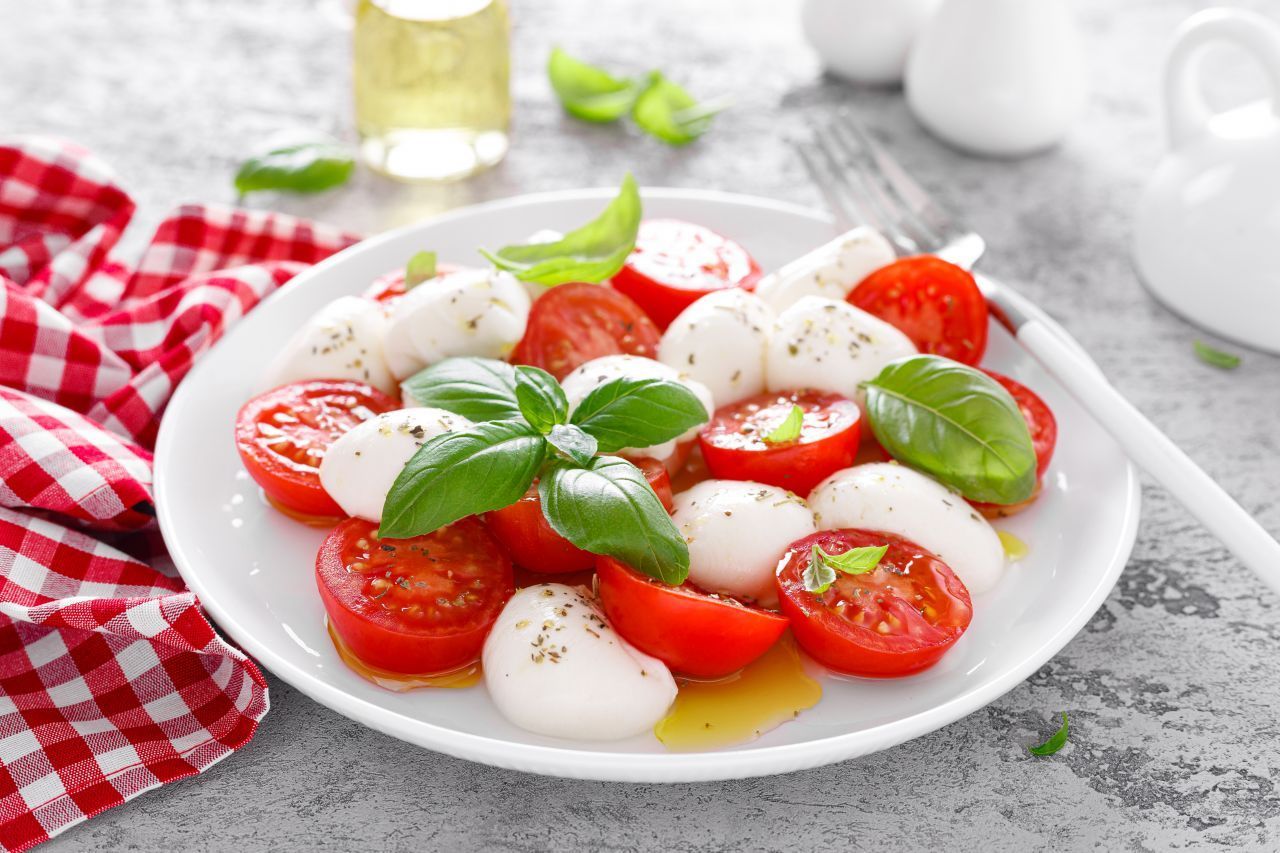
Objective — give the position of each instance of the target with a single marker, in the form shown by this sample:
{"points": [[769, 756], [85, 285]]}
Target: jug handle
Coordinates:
{"points": [[1187, 113]]}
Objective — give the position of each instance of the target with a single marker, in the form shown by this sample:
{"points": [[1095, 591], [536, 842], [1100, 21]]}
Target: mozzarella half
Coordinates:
{"points": [[720, 341], [830, 346], [358, 469], [830, 271], [737, 531], [343, 340], [897, 499], [468, 313], [554, 666]]}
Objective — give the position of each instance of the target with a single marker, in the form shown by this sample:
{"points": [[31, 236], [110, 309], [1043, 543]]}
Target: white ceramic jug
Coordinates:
{"points": [[1208, 225], [997, 77], [864, 41]]}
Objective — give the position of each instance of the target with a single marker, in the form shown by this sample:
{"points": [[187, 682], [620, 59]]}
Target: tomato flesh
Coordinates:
{"points": [[415, 606], [573, 323], [897, 619], [283, 434]]}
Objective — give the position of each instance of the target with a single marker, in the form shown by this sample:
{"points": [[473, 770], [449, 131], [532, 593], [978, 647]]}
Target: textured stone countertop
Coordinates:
{"points": [[1171, 687]]}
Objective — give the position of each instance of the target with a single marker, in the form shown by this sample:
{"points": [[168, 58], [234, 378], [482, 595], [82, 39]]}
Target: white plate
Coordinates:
{"points": [[252, 568]]}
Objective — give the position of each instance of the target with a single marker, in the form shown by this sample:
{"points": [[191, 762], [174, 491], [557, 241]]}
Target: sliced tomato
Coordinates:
{"points": [[416, 606], [525, 533], [935, 303], [573, 323], [734, 447], [695, 633], [1044, 438], [674, 263], [897, 619], [283, 434], [389, 287]]}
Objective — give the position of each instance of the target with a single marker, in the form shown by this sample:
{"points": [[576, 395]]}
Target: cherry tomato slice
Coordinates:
{"points": [[734, 448], [1044, 438], [416, 606], [935, 303], [389, 287], [573, 323], [695, 633], [674, 263], [283, 434], [897, 619], [525, 533]]}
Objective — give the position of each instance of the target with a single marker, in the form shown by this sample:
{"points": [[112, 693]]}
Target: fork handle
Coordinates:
{"points": [[1152, 450]]}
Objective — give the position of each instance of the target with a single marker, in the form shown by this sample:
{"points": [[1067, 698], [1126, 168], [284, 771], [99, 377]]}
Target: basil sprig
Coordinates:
{"points": [[666, 111], [421, 267], [301, 166], [602, 504], [1055, 742], [1216, 357], [955, 424], [820, 574], [588, 92], [788, 429]]}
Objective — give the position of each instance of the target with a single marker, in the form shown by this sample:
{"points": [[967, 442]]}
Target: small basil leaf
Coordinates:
{"points": [[818, 576], [301, 167], [421, 267], [1216, 357], [573, 443], [541, 399], [588, 92], [482, 389], [789, 429], [608, 507], [1054, 743], [666, 111], [638, 413], [591, 253], [955, 424], [486, 467]]}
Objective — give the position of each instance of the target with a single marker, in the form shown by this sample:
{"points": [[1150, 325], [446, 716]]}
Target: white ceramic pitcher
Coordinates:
{"points": [[1208, 225]]}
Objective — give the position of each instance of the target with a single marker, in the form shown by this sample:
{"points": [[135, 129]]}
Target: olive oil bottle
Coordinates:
{"points": [[432, 87]]}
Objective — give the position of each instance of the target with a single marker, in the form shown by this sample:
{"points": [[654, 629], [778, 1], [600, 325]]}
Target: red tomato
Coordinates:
{"points": [[935, 303], [283, 434], [390, 286], [573, 323], [676, 262], [694, 632], [734, 448], [525, 533], [417, 606], [897, 619], [1044, 437]]}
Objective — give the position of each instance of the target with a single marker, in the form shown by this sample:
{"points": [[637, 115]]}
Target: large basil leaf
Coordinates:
{"points": [[304, 166], [638, 413], [609, 508], [955, 424], [666, 111], [588, 92], [541, 399], [482, 389]]}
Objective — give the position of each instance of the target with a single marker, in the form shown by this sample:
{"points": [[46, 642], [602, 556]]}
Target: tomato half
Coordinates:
{"points": [[694, 632], [417, 606], [390, 286], [897, 619], [525, 533], [1044, 438], [573, 323], [283, 434], [935, 303], [674, 263], [734, 448]]}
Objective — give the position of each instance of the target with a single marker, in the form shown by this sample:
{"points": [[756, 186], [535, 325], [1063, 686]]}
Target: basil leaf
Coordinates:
{"points": [[789, 429], [301, 167], [666, 111], [457, 474], [1055, 743], [421, 267], [608, 507], [588, 92], [482, 389], [638, 413], [955, 424], [541, 399], [573, 443], [591, 253], [1216, 357], [820, 574]]}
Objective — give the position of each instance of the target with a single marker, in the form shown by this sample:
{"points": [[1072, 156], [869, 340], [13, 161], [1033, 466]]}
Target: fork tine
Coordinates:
{"points": [[848, 202], [824, 178]]}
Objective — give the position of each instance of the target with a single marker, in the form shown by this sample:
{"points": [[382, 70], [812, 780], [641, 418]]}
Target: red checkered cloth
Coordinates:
{"points": [[112, 682]]}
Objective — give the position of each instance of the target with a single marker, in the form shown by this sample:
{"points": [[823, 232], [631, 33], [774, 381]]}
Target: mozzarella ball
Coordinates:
{"points": [[737, 531], [720, 341], [554, 666], [343, 340], [830, 271], [358, 469], [468, 313], [830, 346], [897, 499]]}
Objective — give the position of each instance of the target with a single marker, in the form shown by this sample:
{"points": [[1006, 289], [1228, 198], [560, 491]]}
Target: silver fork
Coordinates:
{"points": [[862, 183]]}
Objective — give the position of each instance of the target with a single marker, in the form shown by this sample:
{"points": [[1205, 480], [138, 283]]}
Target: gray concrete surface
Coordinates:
{"points": [[1171, 688]]}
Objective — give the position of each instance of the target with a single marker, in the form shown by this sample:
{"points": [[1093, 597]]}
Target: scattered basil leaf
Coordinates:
{"points": [[307, 166], [1216, 357], [666, 111], [1055, 743], [421, 267], [638, 413], [541, 399], [591, 253], [588, 92], [485, 467], [789, 429], [820, 574], [608, 507], [482, 389], [573, 443], [955, 424]]}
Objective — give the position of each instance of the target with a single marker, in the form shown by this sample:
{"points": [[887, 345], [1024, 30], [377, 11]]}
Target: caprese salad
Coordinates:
{"points": [[613, 462]]}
